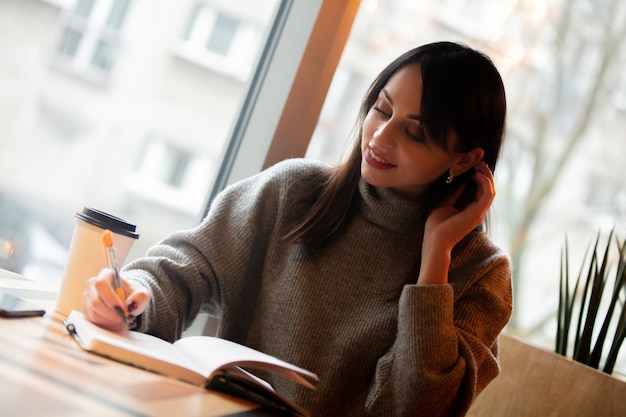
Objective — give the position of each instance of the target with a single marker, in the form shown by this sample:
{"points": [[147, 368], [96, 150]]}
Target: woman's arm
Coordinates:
{"points": [[446, 347]]}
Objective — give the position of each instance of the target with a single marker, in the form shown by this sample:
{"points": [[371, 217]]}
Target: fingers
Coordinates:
{"points": [[99, 301], [446, 225], [102, 306], [474, 213], [484, 177], [137, 302]]}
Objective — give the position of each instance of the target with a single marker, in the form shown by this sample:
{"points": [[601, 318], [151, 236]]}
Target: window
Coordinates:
{"points": [[219, 41], [147, 144], [92, 37], [140, 139], [338, 115], [170, 176], [221, 37]]}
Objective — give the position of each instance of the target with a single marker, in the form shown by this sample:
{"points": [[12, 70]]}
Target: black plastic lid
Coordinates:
{"points": [[104, 220]]}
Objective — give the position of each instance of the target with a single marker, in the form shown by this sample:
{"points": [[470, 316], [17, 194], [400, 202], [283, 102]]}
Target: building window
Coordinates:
{"points": [[220, 42], [92, 37], [223, 34], [170, 175]]}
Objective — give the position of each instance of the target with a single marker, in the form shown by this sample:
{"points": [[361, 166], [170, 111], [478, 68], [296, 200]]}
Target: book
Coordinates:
{"points": [[210, 362]]}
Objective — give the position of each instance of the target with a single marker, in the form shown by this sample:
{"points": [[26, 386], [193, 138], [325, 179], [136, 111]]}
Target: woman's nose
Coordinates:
{"points": [[384, 134]]}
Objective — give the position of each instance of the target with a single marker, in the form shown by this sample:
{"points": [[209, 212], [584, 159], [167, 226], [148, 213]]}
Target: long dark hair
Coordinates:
{"points": [[462, 92]]}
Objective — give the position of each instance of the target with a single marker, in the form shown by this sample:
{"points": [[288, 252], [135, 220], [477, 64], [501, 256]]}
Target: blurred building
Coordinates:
{"points": [[122, 105]]}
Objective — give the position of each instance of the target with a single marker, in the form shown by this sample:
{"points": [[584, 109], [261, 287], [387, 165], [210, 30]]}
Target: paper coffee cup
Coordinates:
{"points": [[86, 254]]}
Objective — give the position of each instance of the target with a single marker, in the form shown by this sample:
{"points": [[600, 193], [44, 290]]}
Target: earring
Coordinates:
{"points": [[449, 179]]}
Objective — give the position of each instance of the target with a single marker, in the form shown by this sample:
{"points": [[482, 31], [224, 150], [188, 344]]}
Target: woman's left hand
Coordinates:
{"points": [[447, 225]]}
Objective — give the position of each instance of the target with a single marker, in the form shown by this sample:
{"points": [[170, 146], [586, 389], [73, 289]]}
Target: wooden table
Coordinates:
{"points": [[45, 373]]}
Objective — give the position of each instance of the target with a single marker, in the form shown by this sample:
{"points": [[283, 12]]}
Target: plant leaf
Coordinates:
{"points": [[596, 353], [620, 332], [563, 313], [582, 344], [593, 306]]}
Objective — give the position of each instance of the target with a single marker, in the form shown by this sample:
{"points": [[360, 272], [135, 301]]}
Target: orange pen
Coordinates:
{"points": [[109, 255]]}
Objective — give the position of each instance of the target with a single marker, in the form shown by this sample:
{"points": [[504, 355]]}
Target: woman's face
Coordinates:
{"points": [[394, 152]]}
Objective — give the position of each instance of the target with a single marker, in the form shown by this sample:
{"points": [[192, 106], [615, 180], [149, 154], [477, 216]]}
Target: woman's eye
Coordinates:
{"points": [[415, 136], [381, 112]]}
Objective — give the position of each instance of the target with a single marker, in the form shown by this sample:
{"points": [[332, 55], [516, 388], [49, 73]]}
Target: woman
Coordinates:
{"points": [[374, 274]]}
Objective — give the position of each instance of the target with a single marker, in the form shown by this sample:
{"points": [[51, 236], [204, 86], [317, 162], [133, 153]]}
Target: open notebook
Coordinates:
{"points": [[206, 361]]}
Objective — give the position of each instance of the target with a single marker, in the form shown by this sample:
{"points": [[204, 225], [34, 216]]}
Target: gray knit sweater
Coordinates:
{"points": [[381, 345]]}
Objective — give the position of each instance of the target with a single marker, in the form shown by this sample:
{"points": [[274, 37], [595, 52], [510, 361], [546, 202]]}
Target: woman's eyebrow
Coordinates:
{"points": [[417, 117]]}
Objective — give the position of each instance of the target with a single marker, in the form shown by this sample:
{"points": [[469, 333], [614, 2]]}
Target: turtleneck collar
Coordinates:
{"points": [[387, 209]]}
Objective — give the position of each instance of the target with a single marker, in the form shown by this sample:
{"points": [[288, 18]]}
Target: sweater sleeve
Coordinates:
{"points": [[221, 259], [445, 351]]}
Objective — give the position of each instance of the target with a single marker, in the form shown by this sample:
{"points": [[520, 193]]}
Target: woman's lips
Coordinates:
{"points": [[376, 161]]}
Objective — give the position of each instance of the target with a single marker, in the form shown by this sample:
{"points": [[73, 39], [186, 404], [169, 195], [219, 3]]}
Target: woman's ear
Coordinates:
{"points": [[466, 160]]}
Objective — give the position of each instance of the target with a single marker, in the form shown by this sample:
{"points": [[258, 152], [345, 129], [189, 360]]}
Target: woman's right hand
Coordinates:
{"points": [[101, 304]]}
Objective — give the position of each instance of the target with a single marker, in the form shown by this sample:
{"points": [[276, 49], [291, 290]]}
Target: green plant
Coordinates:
{"points": [[598, 300]]}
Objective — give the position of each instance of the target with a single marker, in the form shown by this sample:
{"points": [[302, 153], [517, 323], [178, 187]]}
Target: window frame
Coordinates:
{"points": [[286, 93]]}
